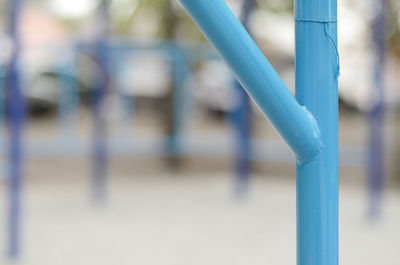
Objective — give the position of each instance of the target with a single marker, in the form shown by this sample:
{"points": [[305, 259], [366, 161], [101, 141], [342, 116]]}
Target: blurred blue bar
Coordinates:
{"points": [[68, 100], [376, 170], [3, 93], [242, 122], [296, 125], [100, 157], [16, 111], [180, 72]]}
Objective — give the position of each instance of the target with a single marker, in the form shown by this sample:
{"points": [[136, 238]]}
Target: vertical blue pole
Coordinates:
{"points": [[310, 128], [376, 116], [100, 163], [3, 96], [68, 101], [242, 122], [16, 110], [317, 70], [179, 71]]}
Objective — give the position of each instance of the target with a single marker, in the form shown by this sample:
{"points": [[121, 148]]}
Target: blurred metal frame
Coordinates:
{"points": [[16, 113], [100, 91], [242, 122], [376, 171]]}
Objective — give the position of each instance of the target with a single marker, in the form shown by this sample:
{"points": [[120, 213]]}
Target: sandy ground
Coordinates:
{"points": [[185, 219]]}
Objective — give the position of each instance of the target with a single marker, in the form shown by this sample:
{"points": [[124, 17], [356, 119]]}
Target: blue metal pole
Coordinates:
{"points": [[180, 73], [317, 70], [293, 121], [16, 110], [68, 101], [376, 170], [242, 122], [3, 96], [100, 161], [242, 125], [310, 129]]}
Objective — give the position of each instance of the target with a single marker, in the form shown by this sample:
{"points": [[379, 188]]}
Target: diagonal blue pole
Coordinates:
{"points": [[242, 122], [100, 159], [309, 124], [16, 110], [293, 121]]}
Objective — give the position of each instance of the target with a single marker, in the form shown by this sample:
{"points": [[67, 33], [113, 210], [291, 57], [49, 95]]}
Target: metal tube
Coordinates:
{"points": [[242, 122], [16, 110], [296, 125], [313, 141], [100, 157], [317, 69], [376, 170]]}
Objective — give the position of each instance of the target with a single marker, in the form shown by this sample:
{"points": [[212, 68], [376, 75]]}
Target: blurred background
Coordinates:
{"points": [[126, 140]]}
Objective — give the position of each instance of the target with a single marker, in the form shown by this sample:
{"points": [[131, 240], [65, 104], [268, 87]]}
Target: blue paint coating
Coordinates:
{"points": [[242, 122], [16, 111], [3, 88], [376, 171], [180, 72], [375, 165], [100, 158], [257, 76], [316, 88], [68, 100]]}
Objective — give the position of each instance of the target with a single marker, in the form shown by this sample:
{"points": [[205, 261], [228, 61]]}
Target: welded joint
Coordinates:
{"points": [[316, 146]]}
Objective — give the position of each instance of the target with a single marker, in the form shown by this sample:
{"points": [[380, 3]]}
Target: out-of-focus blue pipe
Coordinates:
{"points": [[296, 125], [100, 159], [180, 72], [242, 122], [16, 112], [68, 100], [317, 70], [376, 170], [313, 137], [3, 93]]}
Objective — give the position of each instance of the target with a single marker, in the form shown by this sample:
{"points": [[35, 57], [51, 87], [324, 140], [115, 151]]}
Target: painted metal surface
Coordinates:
{"points": [[16, 112], [100, 158], [180, 72], [242, 122], [376, 171], [3, 93], [317, 69], [296, 125], [68, 109], [311, 132]]}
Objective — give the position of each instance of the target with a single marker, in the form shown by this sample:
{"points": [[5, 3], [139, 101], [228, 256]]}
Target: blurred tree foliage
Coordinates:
{"points": [[172, 21], [3, 9], [276, 6]]}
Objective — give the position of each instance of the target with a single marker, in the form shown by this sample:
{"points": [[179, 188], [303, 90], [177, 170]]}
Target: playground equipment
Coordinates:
{"points": [[99, 95], [376, 170], [16, 116], [308, 125], [242, 121]]}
